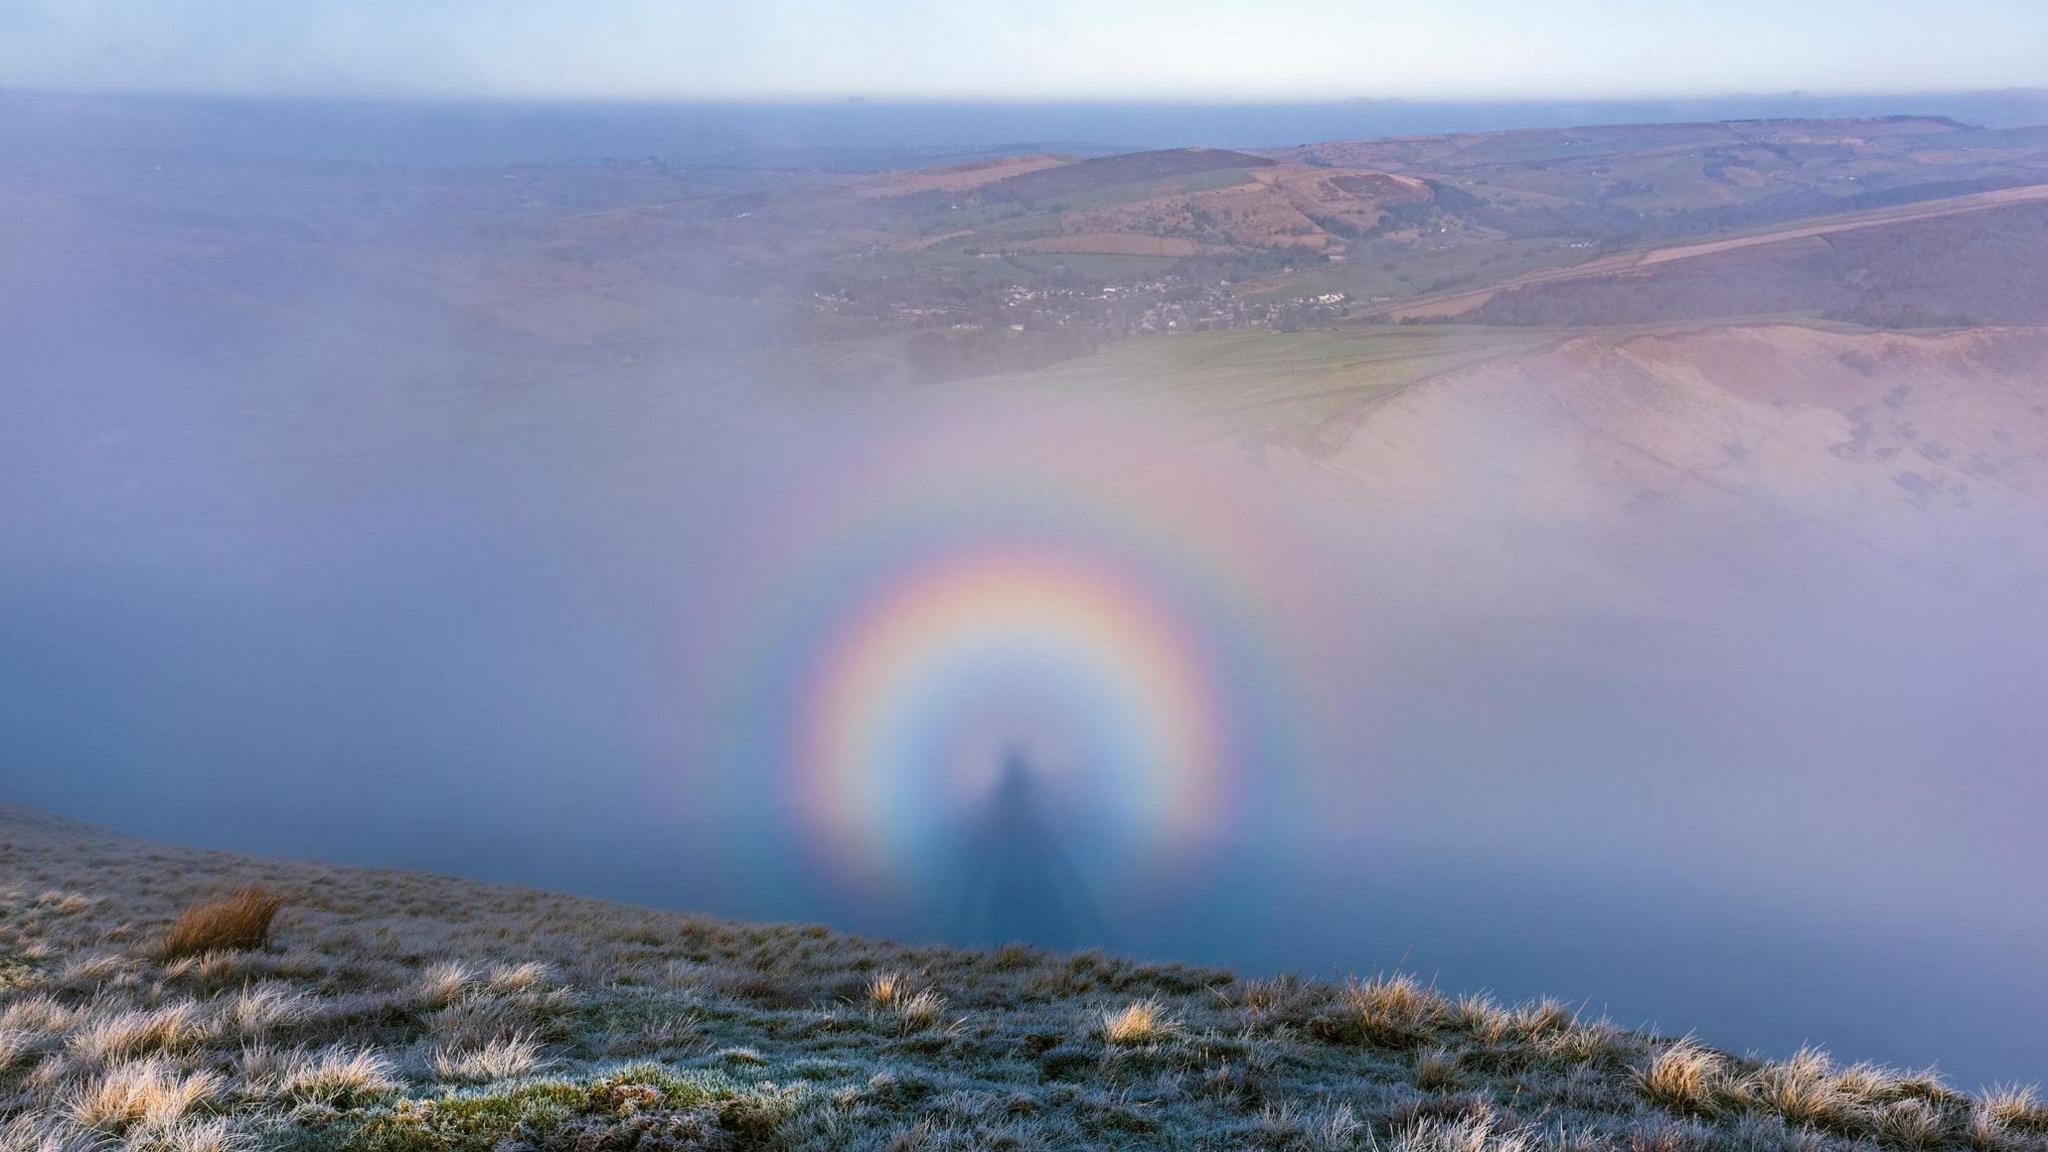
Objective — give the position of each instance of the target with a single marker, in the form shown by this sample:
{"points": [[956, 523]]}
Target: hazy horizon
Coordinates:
{"points": [[852, 134], [1065, 49]]}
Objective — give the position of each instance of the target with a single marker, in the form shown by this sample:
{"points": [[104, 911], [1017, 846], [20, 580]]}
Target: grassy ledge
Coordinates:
{"points": [[399, 1012]]}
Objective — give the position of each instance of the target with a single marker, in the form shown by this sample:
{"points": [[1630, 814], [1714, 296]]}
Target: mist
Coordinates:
{"points": [[410, 599]]}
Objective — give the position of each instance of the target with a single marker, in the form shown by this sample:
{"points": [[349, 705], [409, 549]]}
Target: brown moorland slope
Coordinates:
{"points": [[1985, 263], [1920, 448], [1983, 218]]}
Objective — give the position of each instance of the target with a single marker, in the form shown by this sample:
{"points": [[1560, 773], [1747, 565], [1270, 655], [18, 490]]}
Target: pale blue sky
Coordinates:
{"points": [[1029, 49]]}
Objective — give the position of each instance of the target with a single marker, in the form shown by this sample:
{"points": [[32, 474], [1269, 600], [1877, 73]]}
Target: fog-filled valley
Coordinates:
{"points": [[1691, 674]]}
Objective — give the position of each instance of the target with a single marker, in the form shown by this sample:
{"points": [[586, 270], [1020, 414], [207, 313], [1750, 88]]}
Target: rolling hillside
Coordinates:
{"points": [[401, 1012]]}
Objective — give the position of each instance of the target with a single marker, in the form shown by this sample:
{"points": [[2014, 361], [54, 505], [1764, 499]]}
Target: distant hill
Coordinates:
{"points": [[985, 264], [1130, 168]]}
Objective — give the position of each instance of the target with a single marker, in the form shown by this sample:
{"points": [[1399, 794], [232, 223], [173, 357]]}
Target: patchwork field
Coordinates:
{"points": [[536, 272]]}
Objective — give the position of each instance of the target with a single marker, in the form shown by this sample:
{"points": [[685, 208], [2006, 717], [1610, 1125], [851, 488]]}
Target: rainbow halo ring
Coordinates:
{"points": [[1067, 661]]}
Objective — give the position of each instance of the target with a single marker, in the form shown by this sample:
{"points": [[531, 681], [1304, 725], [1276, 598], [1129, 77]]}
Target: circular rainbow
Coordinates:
{"points": [[909, 619], [890, 757]]}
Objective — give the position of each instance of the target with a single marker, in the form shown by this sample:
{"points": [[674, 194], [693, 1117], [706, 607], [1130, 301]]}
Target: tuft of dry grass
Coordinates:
{"points": [[2008, 1118], [1545, 1017], [1487, 1021], [1912, 1123], [87, 975], [1598, 1042], [1139, 1022], [149, 1091], [1685, 1078], [515, 979], [171, 1028], [260, 1008], [1805, 1090], [239, 922], [444, 983], [1470, 1134], [1396, 1011], [1335, 1129], [885, 989], [2015, 1106], [41, 1015], [1436, 1070], [919, 1011], [504, 1058], [15, 1044], [336, 1077], [33, 1132], [889, 994]]}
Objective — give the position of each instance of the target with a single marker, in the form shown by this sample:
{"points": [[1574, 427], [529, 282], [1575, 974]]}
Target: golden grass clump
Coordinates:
{"points": [[336, 1076], [1545, 1018], [514, 979], [1395, 1011], [1805, 1090], [919, 1010], [138, 1032], [40, 1015], [262, 1007], [444, 983], [1685, 1078], [1912, 1123], [239, 922], [2004, 1117], [1400, 997], [1487, 1021], [33, 1132], [2015, 1106], [148, 1091], [890, 994], [885, 989], [1139, 1022]]}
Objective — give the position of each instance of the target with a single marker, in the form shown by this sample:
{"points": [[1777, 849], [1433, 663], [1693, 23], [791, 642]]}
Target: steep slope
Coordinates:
{"points": [[1913, 447]]}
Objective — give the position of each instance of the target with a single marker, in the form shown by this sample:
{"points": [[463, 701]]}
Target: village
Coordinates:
{"points": [[1166, 304]]}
